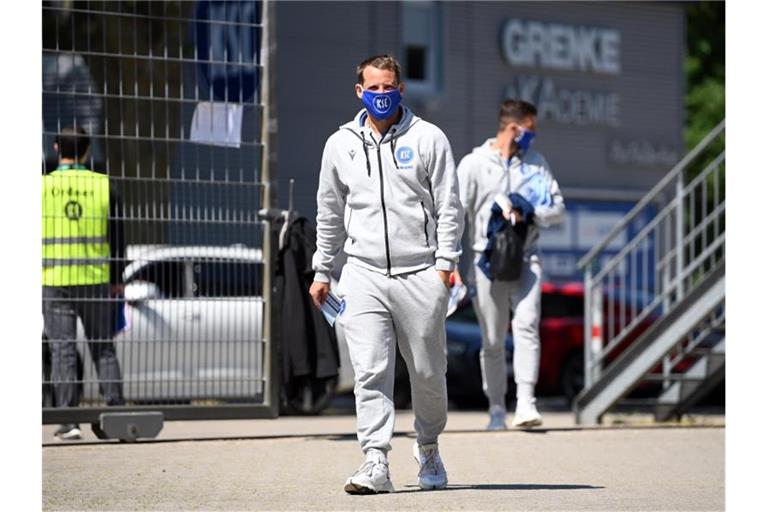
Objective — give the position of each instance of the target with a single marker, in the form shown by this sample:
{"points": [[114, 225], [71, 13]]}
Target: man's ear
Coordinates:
{"points": [[402, 88], [359, 91]]}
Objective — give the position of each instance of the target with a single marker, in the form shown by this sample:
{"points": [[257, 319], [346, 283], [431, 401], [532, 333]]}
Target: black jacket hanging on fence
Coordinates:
{"points": [[309, 346]]}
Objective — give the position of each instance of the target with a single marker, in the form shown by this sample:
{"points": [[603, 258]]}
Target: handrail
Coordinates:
{"points": [[661, 185], [638, 238], [705, 223]]}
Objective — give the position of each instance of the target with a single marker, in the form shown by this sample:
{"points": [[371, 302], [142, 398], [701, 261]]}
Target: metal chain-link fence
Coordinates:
{"points": [[170, 97]]}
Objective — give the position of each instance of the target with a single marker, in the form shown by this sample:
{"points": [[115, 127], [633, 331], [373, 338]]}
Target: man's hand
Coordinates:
{"points": [[508, 214], [319, 291], [445, 277], [456, 278]]}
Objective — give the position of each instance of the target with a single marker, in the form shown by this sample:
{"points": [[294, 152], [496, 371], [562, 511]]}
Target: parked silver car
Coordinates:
{"points": [[193, 325]]}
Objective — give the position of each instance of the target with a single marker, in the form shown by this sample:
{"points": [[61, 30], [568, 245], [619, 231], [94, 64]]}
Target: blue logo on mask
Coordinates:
{"points": [[404, 154], [381, 103], [382, 106]]}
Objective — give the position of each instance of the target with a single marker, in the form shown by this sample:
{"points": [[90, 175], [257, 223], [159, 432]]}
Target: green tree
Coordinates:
{"points": [[704, 69], [705, 108]]}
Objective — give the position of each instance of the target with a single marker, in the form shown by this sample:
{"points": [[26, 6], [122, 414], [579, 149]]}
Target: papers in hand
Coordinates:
{"points": [[458, 293], [332, 307]]}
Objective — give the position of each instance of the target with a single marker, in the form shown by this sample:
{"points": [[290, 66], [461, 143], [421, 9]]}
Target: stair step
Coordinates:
{"points": [[700, 352], [636, 403], [675, 377]]}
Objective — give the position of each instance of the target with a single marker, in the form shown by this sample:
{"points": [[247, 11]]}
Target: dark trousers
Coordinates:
{"points": [[62, 305]]}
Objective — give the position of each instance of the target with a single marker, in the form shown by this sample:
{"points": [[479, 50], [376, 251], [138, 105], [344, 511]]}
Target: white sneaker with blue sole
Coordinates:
{"points": [[432, 473], [498, 416]]}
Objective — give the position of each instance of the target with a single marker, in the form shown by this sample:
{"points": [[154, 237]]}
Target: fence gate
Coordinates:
{"points": [[175, 99]]}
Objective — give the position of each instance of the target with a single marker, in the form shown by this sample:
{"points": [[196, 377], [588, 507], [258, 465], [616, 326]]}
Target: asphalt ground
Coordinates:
{"points": [[300, 463]]}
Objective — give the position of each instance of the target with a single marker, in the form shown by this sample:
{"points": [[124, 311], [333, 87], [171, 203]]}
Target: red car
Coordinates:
{"points": [[561, 370]]}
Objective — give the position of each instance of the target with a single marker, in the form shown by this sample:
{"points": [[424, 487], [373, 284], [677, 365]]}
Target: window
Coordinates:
{"points": [[465, 314], [168, 276], [422, 46], [556, 305], [216, 278]]}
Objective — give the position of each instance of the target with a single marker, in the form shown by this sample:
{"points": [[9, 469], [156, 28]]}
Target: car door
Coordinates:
{"points": [[226, 310], [153, 347]]}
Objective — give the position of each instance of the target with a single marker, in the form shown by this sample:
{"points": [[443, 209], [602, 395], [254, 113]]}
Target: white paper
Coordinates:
{"points": [[217, 123], [506, 206], [457, 294], [332, 307]]}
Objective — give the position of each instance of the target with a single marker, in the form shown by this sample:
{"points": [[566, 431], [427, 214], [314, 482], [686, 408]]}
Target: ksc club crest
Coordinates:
{"points": [[382, 103], [404, 155]]}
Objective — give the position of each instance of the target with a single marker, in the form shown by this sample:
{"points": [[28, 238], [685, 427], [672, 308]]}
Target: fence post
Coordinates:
{"points": [[587, 326], [679, 236], [268, 157], [596, 340]]}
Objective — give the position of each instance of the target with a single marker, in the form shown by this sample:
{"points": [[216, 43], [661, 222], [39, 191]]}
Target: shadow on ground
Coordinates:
{"points": [[507, 487]]}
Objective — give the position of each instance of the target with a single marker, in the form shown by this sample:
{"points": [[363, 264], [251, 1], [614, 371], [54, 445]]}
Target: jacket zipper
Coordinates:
{"points": [[426, 221], [429, 187], [384, 208]]}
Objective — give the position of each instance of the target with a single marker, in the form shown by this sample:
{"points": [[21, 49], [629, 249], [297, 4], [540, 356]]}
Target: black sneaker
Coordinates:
{"points": [[69, 432]]}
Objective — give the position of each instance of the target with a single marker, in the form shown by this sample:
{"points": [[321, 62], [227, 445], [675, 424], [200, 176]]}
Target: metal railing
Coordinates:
{"points": [[177, 99], [656, 269]]}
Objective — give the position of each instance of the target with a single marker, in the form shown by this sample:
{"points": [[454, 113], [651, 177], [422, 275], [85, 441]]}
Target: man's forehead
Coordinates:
{"points": [[375, 76]]}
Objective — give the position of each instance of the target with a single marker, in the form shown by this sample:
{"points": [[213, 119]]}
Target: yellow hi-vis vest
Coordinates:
{"points": [[75, 236]]}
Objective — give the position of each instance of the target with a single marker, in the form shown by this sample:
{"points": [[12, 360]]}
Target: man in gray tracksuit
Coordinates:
{"points": [[503, 165], [388, 192]]}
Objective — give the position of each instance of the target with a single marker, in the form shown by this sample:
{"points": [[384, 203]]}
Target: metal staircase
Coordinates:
{"points": [[655, 311]]}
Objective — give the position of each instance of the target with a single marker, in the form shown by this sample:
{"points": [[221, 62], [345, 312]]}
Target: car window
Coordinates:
{"points": [[464, 314], [167, 275], [217, 278], [561, 306]]}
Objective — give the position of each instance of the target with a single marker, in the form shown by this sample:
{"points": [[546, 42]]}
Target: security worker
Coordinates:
{"points": [[82, 262]]}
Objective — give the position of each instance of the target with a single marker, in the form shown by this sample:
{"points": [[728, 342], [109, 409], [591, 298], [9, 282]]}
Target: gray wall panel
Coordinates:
{"points": [[320, 43]]}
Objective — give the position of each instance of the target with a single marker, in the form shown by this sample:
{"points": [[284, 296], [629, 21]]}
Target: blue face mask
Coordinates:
{"points": [[524, 140], [382, 105]]}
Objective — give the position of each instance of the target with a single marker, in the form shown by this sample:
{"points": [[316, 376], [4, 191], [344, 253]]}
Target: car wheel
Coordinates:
{"points": [[572, 376], [309, 396]]}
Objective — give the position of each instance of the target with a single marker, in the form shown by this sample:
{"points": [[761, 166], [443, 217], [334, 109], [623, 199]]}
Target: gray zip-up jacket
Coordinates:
{"points": [[483, 174], [394, 200]]}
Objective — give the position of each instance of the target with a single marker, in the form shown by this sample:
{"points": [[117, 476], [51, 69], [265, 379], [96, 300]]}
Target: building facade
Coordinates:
{"points": [[606, 77]]}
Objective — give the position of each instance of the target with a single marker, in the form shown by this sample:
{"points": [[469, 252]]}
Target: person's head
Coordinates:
{"points": [[379, 86], [516, 117], [72, 144]]}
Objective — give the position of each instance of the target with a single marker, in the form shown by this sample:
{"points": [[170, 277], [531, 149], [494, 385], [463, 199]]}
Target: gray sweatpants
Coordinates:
{"points": [[493, 302], [409, 310]]}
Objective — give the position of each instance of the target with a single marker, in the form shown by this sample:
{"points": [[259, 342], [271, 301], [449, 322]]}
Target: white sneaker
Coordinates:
{"points": [[526, 414], [372, 476], [498, 418], [68, 432], [432, 473]]}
